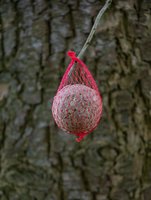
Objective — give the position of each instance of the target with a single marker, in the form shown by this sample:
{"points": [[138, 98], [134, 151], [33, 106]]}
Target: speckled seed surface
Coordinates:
{"points": [[77, 108]]}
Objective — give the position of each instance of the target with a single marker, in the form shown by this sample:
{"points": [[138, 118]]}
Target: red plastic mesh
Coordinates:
{"points": [[79, 75], [77, 106]]}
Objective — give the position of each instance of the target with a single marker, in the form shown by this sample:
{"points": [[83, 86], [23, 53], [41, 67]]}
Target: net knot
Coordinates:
{"points": [[81, 136], [72, 54]]}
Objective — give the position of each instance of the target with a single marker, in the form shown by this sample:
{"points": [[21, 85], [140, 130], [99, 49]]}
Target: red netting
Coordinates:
{"points": [[77, 73], [77, 106]]}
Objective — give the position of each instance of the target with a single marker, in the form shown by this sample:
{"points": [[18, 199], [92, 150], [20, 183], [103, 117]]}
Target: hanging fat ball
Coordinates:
{"points": [[77, 106]]}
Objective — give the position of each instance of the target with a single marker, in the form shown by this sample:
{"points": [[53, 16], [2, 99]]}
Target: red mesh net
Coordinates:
{"points": [[77, 106], [77, 73]]}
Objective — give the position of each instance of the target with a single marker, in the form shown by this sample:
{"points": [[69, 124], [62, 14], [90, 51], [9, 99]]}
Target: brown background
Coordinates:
{"points": [[37, 160]]}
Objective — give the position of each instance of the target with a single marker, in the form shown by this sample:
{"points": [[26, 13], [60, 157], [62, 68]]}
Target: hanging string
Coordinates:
{"points": [[93, 30], [94, 27]]}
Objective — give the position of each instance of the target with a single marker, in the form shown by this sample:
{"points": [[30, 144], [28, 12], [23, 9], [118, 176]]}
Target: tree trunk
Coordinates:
{"points": [[37, 160]]}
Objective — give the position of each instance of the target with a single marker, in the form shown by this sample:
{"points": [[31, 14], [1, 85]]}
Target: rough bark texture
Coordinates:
{"points": [[37, 160]]}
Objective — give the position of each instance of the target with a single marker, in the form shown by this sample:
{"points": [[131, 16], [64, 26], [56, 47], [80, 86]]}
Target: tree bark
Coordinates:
{"points": [[37, 160]]}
